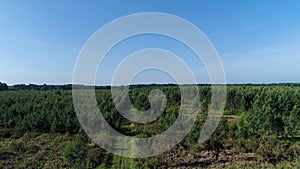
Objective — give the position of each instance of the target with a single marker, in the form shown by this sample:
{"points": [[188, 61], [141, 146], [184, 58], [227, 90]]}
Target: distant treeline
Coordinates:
{"points": [[4, 86]]}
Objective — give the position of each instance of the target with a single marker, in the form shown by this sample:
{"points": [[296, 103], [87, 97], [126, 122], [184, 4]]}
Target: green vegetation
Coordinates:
{"points": [[260, 129], [3, 86]]}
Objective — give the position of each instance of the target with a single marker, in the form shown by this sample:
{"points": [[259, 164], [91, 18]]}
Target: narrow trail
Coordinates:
{"points": [[113, 161], [123, 126], [231, 116]]}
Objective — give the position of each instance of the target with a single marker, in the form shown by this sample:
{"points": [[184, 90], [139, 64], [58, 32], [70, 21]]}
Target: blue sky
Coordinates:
{"points": [[258, 41]]}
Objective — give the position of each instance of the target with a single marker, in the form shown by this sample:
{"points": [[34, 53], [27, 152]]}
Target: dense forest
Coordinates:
{"points": [[260, 128]]}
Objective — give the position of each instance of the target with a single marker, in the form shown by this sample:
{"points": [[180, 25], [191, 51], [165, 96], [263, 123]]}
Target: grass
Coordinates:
{"points": [[33, 151], [37, 150]]}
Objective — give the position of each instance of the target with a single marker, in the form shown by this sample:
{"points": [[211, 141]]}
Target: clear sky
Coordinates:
{"points": [[258, 41]]}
